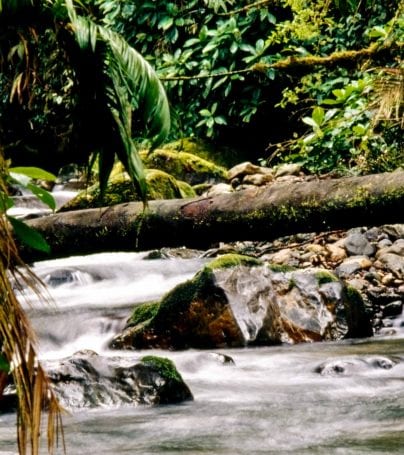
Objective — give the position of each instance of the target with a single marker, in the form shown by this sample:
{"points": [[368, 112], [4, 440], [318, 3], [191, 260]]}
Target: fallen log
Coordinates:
{"points": [[257, 213]]}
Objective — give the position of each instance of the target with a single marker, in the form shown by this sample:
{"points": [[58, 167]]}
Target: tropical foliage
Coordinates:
{"points": [[104, 82], [86, 73], [231, 74], [17, 342]]}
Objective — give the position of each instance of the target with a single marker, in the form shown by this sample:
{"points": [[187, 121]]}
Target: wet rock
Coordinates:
{"points": [[393, 309], [357, 244], [87, 381], [237, 301], [354, 366]]}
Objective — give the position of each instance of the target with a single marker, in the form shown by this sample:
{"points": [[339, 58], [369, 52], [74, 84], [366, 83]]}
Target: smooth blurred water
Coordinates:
{"points": [[322, 398]]}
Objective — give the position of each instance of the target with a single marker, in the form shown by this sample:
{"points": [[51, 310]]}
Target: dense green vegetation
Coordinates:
{"points": [[319, 82]]}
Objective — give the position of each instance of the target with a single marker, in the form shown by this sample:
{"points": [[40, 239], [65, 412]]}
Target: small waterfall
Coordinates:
{"points": [[91, 296]]}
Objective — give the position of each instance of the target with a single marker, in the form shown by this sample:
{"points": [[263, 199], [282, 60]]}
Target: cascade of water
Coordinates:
{"points": [[93, 296]]}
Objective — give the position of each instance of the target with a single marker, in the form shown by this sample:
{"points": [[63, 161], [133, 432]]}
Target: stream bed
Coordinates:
{"points": [[322, 398]]}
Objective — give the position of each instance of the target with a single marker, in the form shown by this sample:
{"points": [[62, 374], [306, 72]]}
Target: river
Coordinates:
{"points": [[322, 398]]}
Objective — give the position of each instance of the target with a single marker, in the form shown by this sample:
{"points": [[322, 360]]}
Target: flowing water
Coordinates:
{"points": [[322, 398]]}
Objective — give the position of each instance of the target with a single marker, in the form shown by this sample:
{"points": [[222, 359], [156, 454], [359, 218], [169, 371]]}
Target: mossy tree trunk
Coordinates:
{"points": [[259, 213]]}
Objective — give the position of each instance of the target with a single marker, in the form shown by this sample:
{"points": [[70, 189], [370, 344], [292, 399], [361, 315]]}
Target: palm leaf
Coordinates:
{"points": [[17, 345], [129, 85]]}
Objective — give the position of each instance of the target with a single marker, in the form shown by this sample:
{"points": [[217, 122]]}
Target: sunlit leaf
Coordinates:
{"points": [[43, 195], [33, 173]]}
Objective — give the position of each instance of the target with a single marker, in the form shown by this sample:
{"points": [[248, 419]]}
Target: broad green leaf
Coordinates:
{"points": [[4, 365], [331, 102], [28, 236], [205, 113], [165, 23], [220, 120], [318, 115], [33, 173], [43, 195]]}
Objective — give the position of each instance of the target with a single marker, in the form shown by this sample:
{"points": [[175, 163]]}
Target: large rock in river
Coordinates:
{"points": [[89, 380], [237, 301]]}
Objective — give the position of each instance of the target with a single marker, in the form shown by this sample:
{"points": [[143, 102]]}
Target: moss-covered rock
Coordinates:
{"points": [[186, 189], [195, 314], [120, 189], [358, 319], [185, 166], [325, 276], [222, 156]]}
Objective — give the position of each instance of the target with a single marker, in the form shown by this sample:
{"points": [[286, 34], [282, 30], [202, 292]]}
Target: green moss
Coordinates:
{"points": [[165, 367], [222, 156], [185, 166], [324, 276], [161, 185], [232, 260], [186, 189], [143, 313], [354, 296], [281, 268], [120, 189]]}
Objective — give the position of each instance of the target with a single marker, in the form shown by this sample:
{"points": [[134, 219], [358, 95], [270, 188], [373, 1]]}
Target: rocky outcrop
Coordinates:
{"points": [[238, 301]]}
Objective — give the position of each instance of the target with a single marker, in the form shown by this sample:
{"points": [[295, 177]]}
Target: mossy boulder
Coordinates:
{"points": [[195, 314], [87, 380], [237, 300], [186, 190], [120, 189], [185, 166], [222, 156]]}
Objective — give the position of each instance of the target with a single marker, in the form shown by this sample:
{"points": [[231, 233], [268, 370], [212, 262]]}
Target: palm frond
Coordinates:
{"points": [[389, 89], [130, 86], [17, 346]]}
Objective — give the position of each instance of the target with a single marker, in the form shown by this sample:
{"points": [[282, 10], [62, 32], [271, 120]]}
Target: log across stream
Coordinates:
{"points": [[258, 213]]}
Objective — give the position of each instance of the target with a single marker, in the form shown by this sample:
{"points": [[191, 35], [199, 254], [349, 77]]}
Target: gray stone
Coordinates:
{"points": [[352, 265], [288, 169], [395, 231], [392, 262], [86, 380], [357, 244]]}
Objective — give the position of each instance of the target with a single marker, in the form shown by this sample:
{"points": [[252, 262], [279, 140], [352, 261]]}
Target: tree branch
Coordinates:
{"points": [[336, 58]]}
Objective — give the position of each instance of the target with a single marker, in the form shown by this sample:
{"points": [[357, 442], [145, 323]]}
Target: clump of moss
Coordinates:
{"points": [[164, 366], [232, 260], [120, 189], [324, 276], [186, 189], [185, 166], [281, 268], [143, 313]]}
